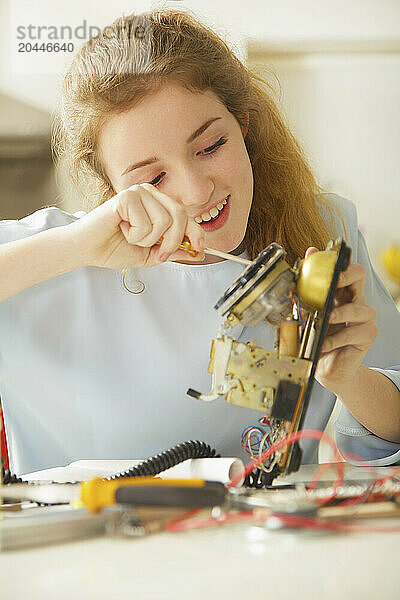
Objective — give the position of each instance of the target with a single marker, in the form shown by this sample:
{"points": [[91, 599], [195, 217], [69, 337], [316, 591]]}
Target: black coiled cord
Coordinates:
{"points": [[7, 476], [260, 479], [151, 466], [167, 459]]}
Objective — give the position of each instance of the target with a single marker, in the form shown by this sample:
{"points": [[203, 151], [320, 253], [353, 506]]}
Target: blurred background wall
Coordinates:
{"points": [[335, 66]]}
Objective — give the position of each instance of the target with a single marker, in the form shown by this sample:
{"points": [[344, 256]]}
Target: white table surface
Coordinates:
{"points": [[240, 561]]}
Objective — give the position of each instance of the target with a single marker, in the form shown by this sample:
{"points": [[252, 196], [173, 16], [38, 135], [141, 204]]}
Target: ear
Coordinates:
{"points": [[244, 123]]}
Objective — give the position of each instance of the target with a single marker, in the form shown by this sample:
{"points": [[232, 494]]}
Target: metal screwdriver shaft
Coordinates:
{"points": [[187, 246], [220, 254]]}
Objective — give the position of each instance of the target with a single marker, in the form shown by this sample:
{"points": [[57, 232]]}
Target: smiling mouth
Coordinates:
{"points": [[219, 220], [213, 213]]}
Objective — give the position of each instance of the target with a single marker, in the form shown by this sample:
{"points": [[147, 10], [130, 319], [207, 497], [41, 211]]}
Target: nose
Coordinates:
{"points": [[195, 189]]}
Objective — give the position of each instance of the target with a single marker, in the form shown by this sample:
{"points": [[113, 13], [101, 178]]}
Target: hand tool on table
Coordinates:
{"points": [[138, 491]]}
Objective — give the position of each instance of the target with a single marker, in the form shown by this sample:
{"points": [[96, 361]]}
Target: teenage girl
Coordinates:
{"points": [[169, 135]]}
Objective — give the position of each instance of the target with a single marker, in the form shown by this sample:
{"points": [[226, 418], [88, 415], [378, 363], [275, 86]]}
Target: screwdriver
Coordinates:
{"points": [[187, 246], [140, 491]]}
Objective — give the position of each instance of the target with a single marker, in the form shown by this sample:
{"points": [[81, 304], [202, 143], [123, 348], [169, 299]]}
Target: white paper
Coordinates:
{"points": [[211, 469]]}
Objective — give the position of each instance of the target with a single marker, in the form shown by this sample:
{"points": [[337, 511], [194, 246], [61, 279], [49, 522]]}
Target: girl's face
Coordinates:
{"points": [[191, 148]]}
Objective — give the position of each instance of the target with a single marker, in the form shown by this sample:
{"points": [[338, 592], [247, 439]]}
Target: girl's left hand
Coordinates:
{"points": [[351, 332]]}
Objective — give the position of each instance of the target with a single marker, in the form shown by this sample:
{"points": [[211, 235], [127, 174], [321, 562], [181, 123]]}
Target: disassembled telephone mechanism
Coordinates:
{"points": [[298, 302]]}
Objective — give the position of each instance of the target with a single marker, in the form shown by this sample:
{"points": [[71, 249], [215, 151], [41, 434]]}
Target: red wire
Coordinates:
{"points": [[286, 519], [185, 524], [366, 494], [289, 439]]}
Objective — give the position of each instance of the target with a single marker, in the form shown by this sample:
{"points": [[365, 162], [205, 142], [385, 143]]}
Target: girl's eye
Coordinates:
{"points": [[214, 147], [205, 152], [156, 180]]}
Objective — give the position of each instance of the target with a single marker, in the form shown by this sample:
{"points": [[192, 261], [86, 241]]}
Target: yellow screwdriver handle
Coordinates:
{"points": [[97, 493], [185, 245]]}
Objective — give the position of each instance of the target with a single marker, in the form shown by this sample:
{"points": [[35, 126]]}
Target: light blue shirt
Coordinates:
{"points": [[383, 356], [88, 370]]}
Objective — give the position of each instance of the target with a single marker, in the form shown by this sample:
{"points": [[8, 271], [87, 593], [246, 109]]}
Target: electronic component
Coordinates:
{"points": [[298, 302]]}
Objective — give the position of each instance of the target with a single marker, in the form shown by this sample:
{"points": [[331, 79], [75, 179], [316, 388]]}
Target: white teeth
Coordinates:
{"points": [[207, 216], [214, 211]]}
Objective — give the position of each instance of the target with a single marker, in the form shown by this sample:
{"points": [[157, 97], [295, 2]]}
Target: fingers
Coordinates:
{"points": [[352, 313], [311, 250], [359, 336], [353, 278], [360, 329], [149, 216], [143, 219], [146, 219], [173, 231], [135, 220], [181, 225], [350, 308], [195, 234], [159, 218]]}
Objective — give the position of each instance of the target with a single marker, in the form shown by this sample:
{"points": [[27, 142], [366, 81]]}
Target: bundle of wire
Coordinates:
{"points": [[256, 439], [292, 520]]}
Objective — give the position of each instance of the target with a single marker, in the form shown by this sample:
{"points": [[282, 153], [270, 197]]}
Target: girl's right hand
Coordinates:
{"points": [[125, 230]]}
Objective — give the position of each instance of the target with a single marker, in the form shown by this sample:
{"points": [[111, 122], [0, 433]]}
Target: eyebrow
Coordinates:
{"points": [[154, 159]]}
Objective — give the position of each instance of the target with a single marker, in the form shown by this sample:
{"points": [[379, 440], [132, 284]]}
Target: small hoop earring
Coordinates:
{"points": [[141, 286]]}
